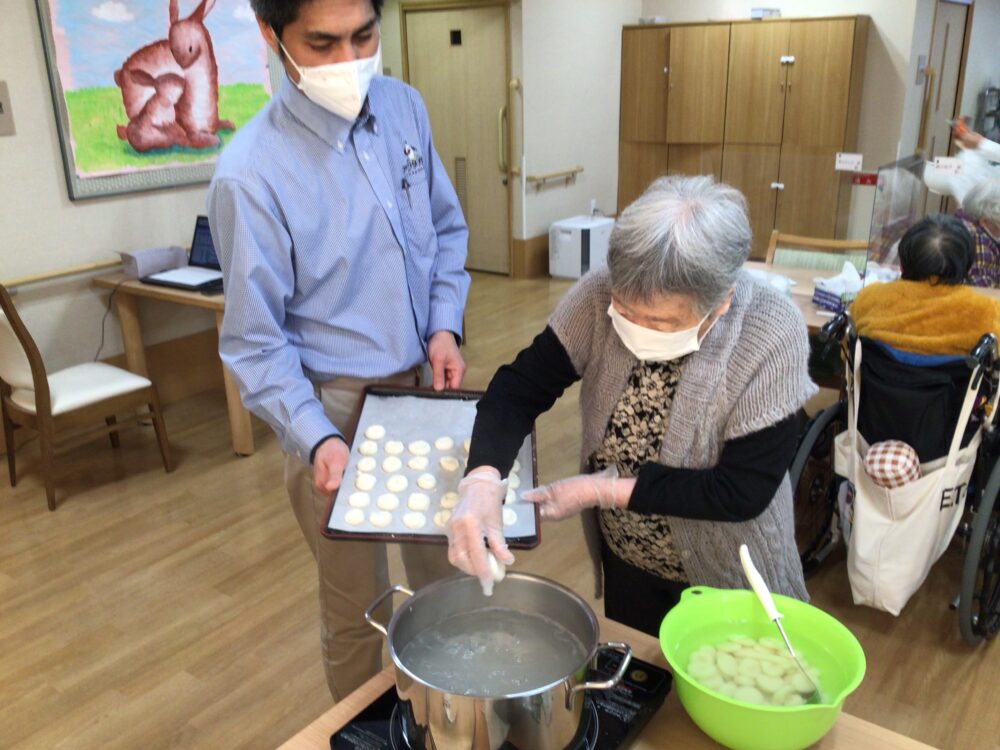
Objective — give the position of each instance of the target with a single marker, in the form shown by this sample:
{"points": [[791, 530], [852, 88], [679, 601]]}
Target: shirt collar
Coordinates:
{"points": [[332, 129]]}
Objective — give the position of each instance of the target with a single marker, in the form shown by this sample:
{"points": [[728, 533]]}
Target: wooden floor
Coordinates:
{"points": [[154, 611]]}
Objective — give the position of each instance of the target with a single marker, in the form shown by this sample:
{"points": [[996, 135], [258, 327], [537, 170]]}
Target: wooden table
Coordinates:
{"points": [[127, 306], [670, 727], [802, 291]]}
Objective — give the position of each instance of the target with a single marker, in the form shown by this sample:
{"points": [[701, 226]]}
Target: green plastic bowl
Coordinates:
{"points": [[707, 616]]}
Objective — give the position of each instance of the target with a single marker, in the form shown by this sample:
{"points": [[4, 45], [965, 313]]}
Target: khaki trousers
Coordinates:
{"points": [[352, 574]]}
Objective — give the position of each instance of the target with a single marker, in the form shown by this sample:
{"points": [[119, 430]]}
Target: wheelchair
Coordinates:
{"points": [[914, 403]]}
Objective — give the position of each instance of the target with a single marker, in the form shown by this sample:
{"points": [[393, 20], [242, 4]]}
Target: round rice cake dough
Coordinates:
{"points": [[513, 481], [509, 516], [359, 500], [467, 443], [444, 443], [396, 483], [367, 464], [426, 482], [394, 447], [387, 501], [418, 501], [380, 518], [392, 464], [375, 432], [516, 466], [417, 463], [419, 447], [510, 497], [414, 520], [449, 500], [441, 518], [365, 482], [368, 448], [354, 517], [449, 463]]}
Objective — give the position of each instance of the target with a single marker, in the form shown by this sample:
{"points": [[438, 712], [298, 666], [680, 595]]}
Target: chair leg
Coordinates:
{"points": [[45, 443], [8, 438], [115, 440], [161, 430]]}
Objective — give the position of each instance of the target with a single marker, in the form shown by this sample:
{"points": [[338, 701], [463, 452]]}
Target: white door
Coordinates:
{"points": [[457, 59]]}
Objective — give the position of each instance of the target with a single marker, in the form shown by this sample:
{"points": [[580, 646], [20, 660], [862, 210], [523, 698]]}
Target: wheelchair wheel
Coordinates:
{"points": [[979, 600], [814, 488]]}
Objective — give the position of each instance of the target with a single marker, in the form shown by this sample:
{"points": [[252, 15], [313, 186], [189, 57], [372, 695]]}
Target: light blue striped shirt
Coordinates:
{"points": [[343, 249]]}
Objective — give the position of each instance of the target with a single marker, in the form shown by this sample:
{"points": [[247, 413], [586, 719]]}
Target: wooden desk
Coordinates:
{"points": [[127, 307], [669, 727], [802, 291]]}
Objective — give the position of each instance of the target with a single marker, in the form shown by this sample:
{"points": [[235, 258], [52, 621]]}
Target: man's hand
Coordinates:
{"points": [[447, 365], [329, 464]]}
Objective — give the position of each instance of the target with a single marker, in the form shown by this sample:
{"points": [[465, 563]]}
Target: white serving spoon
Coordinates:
{"points": [[767, 602]]}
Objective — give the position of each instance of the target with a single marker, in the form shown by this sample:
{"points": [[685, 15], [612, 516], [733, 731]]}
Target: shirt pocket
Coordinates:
{"points": [[414, 200]]}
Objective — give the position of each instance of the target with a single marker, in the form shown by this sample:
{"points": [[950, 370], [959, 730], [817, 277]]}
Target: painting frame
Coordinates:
{"points": [[83, 188]]}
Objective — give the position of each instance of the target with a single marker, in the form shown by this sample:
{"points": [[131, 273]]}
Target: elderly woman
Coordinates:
{"points": [[692, 377], [929, 310], [980, 213]]}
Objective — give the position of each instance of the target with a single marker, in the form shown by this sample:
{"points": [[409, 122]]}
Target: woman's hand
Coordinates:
{"points": [[964, 136], [567, 497], [478, 515]]}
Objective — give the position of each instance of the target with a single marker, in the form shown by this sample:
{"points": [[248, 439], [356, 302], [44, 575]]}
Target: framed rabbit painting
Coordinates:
{"points": [[148, 92]]}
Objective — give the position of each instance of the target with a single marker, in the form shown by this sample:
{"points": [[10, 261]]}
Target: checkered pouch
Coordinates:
{"points": [[892, 464]]}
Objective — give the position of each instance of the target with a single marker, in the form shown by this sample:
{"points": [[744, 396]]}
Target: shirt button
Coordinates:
{"points": [[367, 156], [340, 145], [388, 204], [685, 554]]}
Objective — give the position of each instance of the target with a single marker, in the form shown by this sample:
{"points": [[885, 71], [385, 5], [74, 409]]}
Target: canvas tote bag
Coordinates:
{"points": [[898, 534]]}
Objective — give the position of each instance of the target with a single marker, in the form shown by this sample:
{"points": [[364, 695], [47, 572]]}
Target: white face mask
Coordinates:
{"points": [[651, 345], [340, 88]]}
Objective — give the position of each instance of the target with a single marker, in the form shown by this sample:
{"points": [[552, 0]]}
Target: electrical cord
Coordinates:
{"points": [[104, 319]]}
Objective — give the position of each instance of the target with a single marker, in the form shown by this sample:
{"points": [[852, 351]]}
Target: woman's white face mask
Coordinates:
{"points": [[652, 345], [340, 88]]}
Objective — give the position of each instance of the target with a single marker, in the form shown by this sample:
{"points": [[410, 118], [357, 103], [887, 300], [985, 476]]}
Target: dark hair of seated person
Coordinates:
{"points": [[938, 249]]}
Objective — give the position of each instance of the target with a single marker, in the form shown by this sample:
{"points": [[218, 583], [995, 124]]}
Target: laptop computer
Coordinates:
{"points": [[203, 272]]}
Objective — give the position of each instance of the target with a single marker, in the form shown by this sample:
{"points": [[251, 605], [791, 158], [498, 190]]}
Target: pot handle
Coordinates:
{"points": [[607, 684], [370, 612]]}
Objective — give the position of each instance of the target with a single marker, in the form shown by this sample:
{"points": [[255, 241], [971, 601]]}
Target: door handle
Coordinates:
{"points": [[777, 186], [502, 162]]}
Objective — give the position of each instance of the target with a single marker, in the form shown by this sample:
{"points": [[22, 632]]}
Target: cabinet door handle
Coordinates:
{"points": [[777, 186], [787, 59]]}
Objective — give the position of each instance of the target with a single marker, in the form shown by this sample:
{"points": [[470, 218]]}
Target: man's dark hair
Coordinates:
{"points": [[279, 13], [938, 245]]}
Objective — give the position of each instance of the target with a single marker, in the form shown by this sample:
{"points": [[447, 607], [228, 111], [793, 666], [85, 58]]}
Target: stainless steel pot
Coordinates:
{"points": [[547, 717]]}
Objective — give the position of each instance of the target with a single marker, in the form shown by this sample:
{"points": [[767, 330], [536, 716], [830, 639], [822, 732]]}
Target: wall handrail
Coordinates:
{"points": [[50, 275], [568, 175]]}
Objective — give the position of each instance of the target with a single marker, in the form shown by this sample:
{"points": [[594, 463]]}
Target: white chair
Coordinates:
{"points": [[66, 399]]}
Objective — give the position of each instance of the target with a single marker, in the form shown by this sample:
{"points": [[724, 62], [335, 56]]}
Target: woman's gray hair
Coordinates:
{"points": [[687, 235], [983, 201]]}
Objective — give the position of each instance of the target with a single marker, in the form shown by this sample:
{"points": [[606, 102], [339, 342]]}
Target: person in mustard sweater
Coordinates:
{"points": [[929, 310]]}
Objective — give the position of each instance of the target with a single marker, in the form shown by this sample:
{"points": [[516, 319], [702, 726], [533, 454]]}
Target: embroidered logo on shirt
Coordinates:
{"points": [[414, 161]]}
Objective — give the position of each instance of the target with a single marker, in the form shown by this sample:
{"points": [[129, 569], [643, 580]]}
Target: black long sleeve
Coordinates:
{"points": [[516, 396], [739, 488]]}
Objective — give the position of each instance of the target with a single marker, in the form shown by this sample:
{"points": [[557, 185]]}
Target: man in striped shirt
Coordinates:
{"points": [[343, 247]]}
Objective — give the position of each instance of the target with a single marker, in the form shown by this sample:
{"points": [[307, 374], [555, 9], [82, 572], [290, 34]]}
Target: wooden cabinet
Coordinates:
{"points": [[753, 170], [644, 86], [755, 104], [818, 83], [696, 101], [765, 105]]}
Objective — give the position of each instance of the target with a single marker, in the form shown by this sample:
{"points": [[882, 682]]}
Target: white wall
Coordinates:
{"points": [[571, 74], [43, 230], [982, 68]]}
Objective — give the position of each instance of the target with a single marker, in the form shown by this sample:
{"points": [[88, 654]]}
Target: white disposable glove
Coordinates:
{"points": [[478, 515], [567, 497]]}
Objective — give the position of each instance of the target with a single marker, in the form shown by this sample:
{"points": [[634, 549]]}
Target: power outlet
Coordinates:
{"points": [[6, 113]]}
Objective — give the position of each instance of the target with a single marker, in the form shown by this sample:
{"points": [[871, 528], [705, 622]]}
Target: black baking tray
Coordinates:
{"points": [[517, 542]]}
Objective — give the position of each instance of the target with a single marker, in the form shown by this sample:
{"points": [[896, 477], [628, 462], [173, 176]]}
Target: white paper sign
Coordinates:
{"points": [[947, 165], [848, 162]]}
